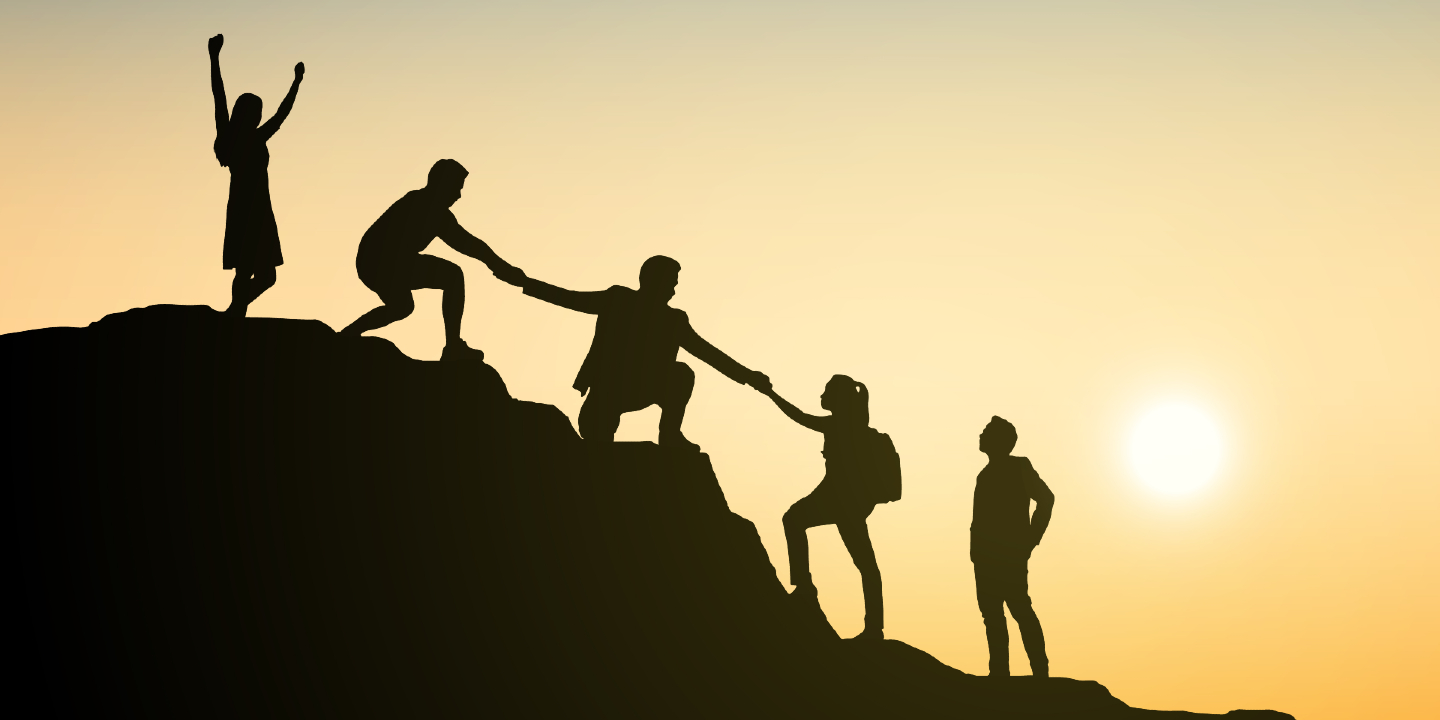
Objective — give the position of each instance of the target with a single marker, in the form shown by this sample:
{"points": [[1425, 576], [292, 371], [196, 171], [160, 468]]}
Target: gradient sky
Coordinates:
{"points": [[1064, 213]]}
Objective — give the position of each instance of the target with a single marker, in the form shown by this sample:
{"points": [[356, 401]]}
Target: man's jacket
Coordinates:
{"points": [[1000, 527], [636, 340]]}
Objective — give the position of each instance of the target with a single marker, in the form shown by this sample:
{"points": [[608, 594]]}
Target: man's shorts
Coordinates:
{"points": [[397, 276]]}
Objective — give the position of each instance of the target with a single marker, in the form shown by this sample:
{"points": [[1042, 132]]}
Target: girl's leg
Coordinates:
{"points": [[263, 280], [239, 290], [802, 516], [857, 540], [249, 284]]}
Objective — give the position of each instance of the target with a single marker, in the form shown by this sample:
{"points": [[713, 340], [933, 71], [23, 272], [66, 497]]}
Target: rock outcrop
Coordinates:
{"points": [[212, 517]]}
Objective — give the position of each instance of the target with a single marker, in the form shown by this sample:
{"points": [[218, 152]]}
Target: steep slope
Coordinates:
{"points": [[211, 517]]}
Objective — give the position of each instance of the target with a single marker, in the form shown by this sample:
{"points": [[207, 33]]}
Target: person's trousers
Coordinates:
{"points": [[813, 511], [1001, 582], [600, 415]]}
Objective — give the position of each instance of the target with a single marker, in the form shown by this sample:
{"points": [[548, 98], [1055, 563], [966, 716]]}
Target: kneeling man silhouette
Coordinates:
{"points": [[631, 364], [391, 264]]}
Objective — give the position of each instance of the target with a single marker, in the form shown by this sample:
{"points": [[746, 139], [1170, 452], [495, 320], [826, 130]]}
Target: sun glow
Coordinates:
{"points": [[1175, 449]]}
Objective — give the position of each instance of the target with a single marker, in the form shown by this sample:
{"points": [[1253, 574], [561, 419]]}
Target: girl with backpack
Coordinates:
{"points": [[861, 469]]}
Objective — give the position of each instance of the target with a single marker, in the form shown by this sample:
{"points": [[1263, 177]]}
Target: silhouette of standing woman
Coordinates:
{"points": [[844, 498], [252, 242]]}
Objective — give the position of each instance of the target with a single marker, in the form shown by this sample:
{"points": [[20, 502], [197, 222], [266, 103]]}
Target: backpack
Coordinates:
{"points": [[880, 466]]}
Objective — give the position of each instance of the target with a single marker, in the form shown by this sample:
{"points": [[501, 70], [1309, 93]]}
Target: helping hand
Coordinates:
{"points": [[215, 43], [299, 71], [760, 381], [513, 275]]}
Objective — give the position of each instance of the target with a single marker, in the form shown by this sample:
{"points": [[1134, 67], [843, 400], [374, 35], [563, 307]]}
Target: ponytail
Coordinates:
{"points": [[856, 397]]}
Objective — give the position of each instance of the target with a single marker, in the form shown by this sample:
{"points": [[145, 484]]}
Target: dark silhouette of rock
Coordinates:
{"points": [[217, 517]]}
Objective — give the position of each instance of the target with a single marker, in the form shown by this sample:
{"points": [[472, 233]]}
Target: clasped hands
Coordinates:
{"points": [[760, 381], [508, 273]]}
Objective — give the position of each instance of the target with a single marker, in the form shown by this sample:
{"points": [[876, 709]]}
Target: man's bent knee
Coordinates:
{"points": [[680, 381], [453, 277], [682, 374], [437, 273]]}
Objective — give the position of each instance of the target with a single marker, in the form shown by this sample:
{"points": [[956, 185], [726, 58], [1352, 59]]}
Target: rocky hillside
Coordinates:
{"points": [[215, 518]]}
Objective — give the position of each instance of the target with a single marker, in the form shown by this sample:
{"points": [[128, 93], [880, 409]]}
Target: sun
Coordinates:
{"points": [[1175, 449]]}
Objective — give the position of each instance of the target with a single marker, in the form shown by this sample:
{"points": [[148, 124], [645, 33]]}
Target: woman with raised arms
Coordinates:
{"points": [[252, 241]]}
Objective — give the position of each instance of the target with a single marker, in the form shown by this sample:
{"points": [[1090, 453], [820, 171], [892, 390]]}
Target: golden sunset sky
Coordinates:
{"points": [[1063, 213]]}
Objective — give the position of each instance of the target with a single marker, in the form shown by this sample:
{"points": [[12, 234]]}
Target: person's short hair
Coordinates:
{"points": [[445, 172], [658, 266], [1004, 432]]}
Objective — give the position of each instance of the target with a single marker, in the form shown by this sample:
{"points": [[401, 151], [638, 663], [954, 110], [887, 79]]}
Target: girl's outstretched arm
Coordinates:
{"points": [[814, 422], [217, 86], [271, 126]]}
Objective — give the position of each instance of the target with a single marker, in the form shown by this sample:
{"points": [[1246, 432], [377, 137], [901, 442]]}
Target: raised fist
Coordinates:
{"points": [[299, 70], [215, 43]]}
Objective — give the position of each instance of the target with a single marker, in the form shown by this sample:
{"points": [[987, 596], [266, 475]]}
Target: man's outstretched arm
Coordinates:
{"points": [[1044, 502], [466, 244], [587, 302], [711, 355]]}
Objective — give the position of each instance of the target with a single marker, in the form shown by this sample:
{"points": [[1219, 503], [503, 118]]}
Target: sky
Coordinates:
{"points": [[1064, 213]]}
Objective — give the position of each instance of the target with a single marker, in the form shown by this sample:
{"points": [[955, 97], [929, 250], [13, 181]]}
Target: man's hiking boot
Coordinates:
{"points": [[458, 350], [677, 441]]}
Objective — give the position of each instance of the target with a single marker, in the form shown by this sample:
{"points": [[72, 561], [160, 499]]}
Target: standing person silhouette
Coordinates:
{"points": [[842, 498], [631, 364], [1002, 535], [390, 262], [252, 241]]}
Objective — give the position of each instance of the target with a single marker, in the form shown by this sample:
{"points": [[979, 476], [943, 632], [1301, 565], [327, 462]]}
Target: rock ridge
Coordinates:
{"points": [[220, 517]]}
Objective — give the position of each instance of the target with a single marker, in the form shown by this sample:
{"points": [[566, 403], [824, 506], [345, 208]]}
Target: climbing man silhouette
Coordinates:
{"points": [[631, 364], [1002, 535], [390, 262]]}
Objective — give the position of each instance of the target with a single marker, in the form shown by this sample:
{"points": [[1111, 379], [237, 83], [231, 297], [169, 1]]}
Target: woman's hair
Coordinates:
{"points": [[854, 397], [246, 111]]}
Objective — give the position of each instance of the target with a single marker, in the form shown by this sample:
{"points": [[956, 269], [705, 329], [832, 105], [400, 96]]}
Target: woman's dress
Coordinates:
{"points": [[252, 241]]}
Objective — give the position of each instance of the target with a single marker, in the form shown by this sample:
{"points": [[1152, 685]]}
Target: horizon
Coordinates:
{"points": [[1064, 216]]}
